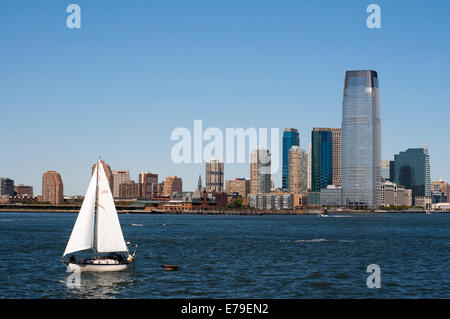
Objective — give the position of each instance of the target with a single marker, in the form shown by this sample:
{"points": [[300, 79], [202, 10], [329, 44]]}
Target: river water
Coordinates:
{"points": [[269, 256]]}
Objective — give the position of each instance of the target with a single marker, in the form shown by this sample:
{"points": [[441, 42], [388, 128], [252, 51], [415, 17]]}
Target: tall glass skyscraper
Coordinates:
{"points": [[321, 159], [411, 169], [361, 139], [290, 138]]}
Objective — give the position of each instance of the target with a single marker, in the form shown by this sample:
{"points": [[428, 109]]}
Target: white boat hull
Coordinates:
{"points": [[82, 267]]}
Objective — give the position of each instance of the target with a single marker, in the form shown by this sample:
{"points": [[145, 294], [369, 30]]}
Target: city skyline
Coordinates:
{"points": [[267, 71]]}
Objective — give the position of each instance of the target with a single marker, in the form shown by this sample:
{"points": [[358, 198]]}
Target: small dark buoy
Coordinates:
{"points": [[169, 267]]}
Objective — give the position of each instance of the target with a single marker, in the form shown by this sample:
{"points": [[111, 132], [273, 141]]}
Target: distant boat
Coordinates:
{"points": [[97, 227], [324, 212]]}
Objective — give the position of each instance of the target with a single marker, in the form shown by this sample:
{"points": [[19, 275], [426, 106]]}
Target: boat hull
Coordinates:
{"points": [[96, 267]]}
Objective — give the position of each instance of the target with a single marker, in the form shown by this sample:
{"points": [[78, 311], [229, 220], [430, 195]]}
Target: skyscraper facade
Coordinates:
{"points": [[260, 171], [411, 169], [147, 185], [172, 184], [361, 139], [336, 134], [321, 159], [290, 138], [298, 171], [214, 176], [119, 177], [6, 187], [52, 188]]}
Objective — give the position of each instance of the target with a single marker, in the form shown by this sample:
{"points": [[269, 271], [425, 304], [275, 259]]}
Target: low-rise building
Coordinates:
{"points": [[272, 201], [394, 195], [331, 196]]}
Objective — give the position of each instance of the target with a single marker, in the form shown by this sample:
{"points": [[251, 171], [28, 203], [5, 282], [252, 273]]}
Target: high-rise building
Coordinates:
{"points": [[240, 186], [172, 184], [321, 159], [260, 171], [298, 171], [290, 138], [6, 187], [23, 190], [119, 177], [128, 190], [214, 176], [361, 139], [309, 167], [147, 185], [108, 173], [385, 170], [411, 169], [52, 188], [336, 134]]}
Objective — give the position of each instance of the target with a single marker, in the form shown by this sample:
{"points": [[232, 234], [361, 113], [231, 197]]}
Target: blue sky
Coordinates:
{"points": [[136, 70]]}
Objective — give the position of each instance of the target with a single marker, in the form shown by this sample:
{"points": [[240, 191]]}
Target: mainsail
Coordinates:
{"points": [[109, 232], [82, 236]]}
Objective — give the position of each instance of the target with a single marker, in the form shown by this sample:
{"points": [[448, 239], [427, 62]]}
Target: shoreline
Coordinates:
{"points": [[218, 212]]}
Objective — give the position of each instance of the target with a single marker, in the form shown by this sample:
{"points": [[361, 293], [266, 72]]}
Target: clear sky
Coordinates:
{"points": [[136, 70]]}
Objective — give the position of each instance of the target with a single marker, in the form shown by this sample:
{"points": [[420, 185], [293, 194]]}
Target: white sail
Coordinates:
{"points": [[82, 236], [109, 232]]}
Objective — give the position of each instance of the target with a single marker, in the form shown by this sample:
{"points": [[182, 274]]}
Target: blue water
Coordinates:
{"points": [[237, 257]]}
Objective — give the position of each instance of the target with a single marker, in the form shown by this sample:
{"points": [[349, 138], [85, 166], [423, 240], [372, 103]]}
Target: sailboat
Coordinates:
{"points": [[97, 227]]}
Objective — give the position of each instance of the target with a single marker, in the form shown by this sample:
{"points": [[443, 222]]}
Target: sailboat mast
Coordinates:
{"points": [[96, 213]]}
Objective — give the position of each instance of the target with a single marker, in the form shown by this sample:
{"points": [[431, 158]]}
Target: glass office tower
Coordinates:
{"points": [[411, 169], [290, 138], [321, 159], [361, 139]]}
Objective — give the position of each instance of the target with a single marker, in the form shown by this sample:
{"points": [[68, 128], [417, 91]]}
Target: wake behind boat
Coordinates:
{"points": [[97, 227]]}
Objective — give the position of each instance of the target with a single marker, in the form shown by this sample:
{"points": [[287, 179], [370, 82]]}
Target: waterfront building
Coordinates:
{"points": [[298, 171], [394, 195], [313, 198], [321, 159], [147, 185], [290, 138], [423, 201], [272, 201], [331, 196], [119, 177], [411, 169], [6, 187], [441, 186], [438, 197], [240, 186], [214, 175], [23, 190], [128, 190], [52, 188], [361, 140], [309, 167], [172, 184], [199, 200], [260, 171], [108, 173]]}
